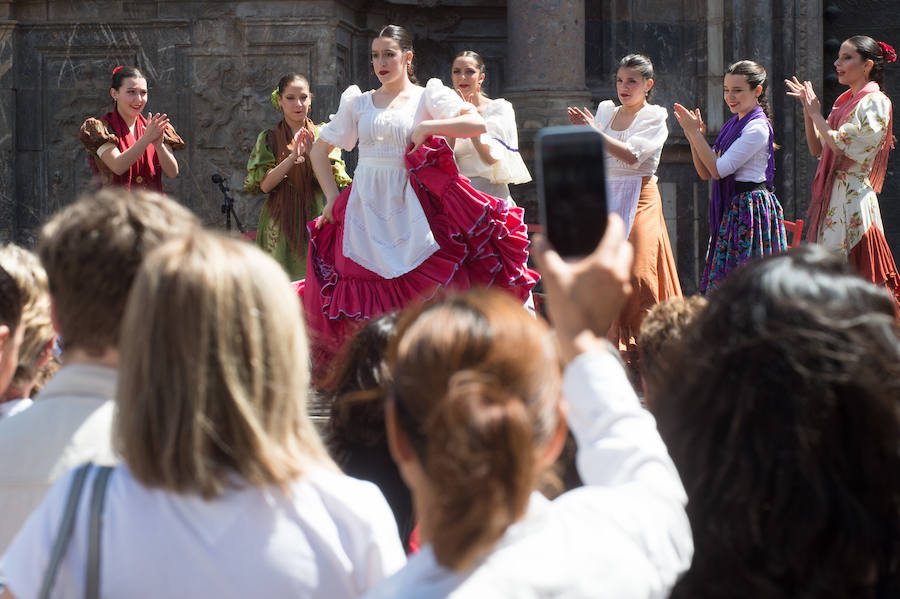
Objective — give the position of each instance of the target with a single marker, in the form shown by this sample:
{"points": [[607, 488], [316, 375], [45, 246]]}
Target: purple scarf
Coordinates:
{"points": [[723, 189]]}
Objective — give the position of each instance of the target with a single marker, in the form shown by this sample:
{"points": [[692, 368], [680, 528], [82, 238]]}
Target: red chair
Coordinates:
{"points": [[249, 235], [795, 229]]}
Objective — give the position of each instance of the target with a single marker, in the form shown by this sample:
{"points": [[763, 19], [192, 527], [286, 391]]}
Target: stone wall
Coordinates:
{"points": [[213, 64]]}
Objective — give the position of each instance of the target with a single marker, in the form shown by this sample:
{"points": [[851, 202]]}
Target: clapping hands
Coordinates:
{"points": [[691, 121], [156, 127], [805, 93], [302, 141], [580, 116]]}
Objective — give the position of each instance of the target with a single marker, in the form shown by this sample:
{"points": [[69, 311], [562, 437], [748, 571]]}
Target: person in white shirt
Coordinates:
{"points": [[491, 161], [38, 336], [225, 489], [476, 416], [745, 218], [91, 251], [635, 132]]}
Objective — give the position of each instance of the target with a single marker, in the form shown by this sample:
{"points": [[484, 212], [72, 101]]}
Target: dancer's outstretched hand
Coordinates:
{"points": [[580, 116], [585, 297]]}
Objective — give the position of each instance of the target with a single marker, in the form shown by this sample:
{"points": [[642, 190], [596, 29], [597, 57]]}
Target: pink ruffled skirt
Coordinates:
{"points": [[483, 242]]}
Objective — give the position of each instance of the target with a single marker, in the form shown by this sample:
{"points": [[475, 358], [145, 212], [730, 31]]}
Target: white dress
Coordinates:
{"points": [[644, 138], [385, 229], [502, 138]]}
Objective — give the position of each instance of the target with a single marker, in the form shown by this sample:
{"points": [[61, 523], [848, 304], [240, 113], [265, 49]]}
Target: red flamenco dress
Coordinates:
{"points": [[466, 238]]}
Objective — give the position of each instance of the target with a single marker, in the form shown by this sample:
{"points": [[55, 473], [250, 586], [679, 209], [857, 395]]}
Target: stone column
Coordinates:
{"points": [[7, 125], [545, 70]]}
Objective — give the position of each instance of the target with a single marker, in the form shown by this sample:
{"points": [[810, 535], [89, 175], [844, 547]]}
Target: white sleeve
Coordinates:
{"points": [[26, 559], [617, 439], [380, 553], [441, 102], [105, 148], [753, 139], [604, 114], [342, 130], [502, 138], [649, 133]]}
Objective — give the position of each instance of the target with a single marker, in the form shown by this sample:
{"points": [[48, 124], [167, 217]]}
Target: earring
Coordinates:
{"points": [[409, 68]]}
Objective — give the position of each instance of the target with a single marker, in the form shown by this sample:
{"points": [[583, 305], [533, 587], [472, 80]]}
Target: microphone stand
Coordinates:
{"points": [[227, 203]]}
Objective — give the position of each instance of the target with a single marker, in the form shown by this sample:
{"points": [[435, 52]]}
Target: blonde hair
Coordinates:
{"points": [[91, 251], [25, 268], [477, 391], [213, 371]]}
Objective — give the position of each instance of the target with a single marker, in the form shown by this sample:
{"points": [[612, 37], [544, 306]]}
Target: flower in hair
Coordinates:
{"points": [[888, 52], [116, 69], [274, 99]]}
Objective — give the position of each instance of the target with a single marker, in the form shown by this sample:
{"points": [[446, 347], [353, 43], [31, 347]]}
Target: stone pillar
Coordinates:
{"points": [[545, 70], [7, 125]]}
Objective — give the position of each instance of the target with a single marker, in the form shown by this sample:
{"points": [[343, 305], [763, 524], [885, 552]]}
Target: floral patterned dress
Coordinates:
{"points": [[853, 209]]}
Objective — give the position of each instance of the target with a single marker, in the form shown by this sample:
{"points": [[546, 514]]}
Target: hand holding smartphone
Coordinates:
{"points": [[571, 185]]}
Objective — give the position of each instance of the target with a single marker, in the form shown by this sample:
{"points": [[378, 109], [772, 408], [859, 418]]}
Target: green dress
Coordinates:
{"points": [[269, 235]]}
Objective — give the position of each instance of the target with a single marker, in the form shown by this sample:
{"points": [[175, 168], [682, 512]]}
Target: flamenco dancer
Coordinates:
{"points": [[490, 161], [409, 225], [853, 146], [745, 218], [635, 132], [280, 167], [124, 147]]}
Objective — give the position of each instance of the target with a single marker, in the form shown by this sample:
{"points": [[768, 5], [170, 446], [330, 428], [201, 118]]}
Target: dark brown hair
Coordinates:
{"points": [[869, 49], [286, 80], [91, 251], [401, 36], [120, 74], [477, 390], [784, 422], [479, 62], [756, 76]]}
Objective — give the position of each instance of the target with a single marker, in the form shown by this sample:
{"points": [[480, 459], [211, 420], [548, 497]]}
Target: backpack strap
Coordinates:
{"points": [[98, 495], [66, 527]]}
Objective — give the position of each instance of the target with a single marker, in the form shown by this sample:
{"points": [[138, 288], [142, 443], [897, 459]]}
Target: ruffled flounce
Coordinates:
{"points": [[872, 258], [483, 242]]}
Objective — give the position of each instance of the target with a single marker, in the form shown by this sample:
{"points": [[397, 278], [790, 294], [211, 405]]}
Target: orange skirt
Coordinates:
{"points": [[654, 277]]}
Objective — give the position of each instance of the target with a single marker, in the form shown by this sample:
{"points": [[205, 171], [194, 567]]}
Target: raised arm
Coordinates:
{"points": [[119, 162], [695, 131], [797, 90]]}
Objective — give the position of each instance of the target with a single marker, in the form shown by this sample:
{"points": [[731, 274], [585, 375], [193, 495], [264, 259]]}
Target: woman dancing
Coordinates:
{"points": [[490, 161], [854, 144], [409, 225], [745, 218], [280, 167], [634, 133], [126, 148]]}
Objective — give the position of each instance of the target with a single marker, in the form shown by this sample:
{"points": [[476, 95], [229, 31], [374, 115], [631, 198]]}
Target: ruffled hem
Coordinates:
{"points": [[872, 258], [483, 242]]}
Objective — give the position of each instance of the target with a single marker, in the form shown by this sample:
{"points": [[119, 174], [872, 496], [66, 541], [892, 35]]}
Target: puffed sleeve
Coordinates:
{"points": [[261, 161], [338, 167], [342, 130], [604, 113], [502, 138], [441, 102], [172, 139], [94, 134], [861, 136], [648, 132]]}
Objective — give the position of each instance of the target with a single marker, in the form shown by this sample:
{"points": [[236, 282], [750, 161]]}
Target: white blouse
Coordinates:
{"points": [[644, 138], [502, 138], [385, 228], [748, 156]]}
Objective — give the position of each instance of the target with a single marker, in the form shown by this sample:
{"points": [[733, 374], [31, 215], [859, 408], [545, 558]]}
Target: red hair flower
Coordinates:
{"points": [[120, 66], [887, 52]]}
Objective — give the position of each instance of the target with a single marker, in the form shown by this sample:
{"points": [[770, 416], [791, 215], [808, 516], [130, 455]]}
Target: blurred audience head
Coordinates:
{"points": [[11, 331], [38, 335], [782, 418], [213, 371], [91, 251], [474, 417], [356, 388], [662, 328]]}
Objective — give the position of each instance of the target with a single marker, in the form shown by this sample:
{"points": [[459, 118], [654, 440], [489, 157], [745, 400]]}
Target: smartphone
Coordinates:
{"points": [[571, 186]]}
